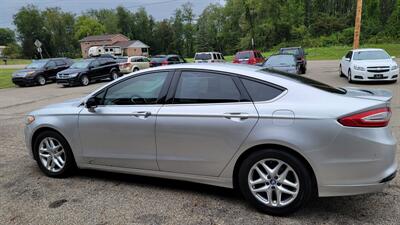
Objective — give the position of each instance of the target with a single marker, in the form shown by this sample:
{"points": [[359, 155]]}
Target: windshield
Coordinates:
{"points": [[37, 64], [292, 51], [80, 65], [202, 56], [280, 60], [306, 81], [370, 55]]}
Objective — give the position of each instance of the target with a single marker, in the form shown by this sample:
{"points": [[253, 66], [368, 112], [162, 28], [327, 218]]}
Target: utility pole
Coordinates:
{"points": [[357, 25]]}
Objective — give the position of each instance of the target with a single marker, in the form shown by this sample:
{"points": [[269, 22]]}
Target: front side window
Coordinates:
{"points": [[51, 64], [140, 90], [204, 87]]}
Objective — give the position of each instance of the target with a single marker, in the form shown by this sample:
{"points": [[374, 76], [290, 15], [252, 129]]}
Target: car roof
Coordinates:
{"points": [[290, 48], [208, 53]]}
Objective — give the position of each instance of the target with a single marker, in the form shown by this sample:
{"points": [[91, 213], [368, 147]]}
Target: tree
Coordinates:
{"points": [[86, 26], [7, 36]]}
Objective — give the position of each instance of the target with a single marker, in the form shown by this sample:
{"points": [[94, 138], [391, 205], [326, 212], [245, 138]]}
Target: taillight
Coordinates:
{"points": [[252, 61], [126, 65], [371, 118], [235, 60], [165, 62]]}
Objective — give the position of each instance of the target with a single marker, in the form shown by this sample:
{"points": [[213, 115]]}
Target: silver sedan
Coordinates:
{"points": [[280, 139]]}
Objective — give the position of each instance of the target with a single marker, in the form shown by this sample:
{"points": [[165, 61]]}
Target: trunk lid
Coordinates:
{"points": [[367, 93]]}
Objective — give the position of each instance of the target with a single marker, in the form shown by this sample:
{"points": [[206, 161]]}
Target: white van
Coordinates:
{"points": [[101, 50], [209, 57]]}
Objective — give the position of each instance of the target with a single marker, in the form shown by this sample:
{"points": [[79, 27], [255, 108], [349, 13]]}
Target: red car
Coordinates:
{"points": [[248, 57]]}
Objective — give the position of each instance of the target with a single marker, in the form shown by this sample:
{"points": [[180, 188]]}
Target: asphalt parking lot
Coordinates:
{"points": [[90, 197]]}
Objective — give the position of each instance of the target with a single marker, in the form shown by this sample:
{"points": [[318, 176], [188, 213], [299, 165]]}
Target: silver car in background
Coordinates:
{"points": [[280, 139], [283, 62]]}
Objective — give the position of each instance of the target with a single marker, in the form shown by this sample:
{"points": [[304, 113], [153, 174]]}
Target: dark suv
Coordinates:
{"points": [[163, 60], [87, 70], [300, 55], [41, 71]]}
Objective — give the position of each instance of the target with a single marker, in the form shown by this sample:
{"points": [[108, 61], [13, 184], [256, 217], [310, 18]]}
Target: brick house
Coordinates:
{"points": [[128, 47]]}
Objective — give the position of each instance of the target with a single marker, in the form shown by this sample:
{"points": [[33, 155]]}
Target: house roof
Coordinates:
{"points": [[105, 37], [131, 44]]}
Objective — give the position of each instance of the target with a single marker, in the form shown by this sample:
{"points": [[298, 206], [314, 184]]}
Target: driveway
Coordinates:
{"points": [[90, 197]]}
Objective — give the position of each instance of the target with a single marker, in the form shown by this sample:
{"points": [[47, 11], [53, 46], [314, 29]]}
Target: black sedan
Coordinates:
{"points": [[163, 60]]}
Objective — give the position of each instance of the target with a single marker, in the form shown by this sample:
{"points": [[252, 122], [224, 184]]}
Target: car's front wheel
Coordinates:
{"points": [[275, 182], [340, 71], [53, 154], [114, 75], [349, 76], [41, 80], [85, 80]]}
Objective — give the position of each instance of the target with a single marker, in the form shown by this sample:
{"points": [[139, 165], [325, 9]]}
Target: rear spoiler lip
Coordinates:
{"points": [[376, 94]]}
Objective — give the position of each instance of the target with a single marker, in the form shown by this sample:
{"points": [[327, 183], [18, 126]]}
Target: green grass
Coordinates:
{"points": [[16, 62], [330, 53], [5, 78]]}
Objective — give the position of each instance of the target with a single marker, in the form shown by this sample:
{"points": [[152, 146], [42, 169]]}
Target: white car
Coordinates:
{"points": [[133, 64], [209, 57], [369, 64]]}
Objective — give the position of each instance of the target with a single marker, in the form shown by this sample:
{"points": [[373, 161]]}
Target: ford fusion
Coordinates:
{"points": [[279, 138], [369, 65]]}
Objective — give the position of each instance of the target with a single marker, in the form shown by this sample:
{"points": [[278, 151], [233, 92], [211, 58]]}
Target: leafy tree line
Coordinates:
{"points": [[225, 28]]}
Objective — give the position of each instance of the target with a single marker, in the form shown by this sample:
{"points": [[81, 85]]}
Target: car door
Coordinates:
{"points": [[50, 70], [346, 62], [95, 71], [120, 131], [204, 124]]}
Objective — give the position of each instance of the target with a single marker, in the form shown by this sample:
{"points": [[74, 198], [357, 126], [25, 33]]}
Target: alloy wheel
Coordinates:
{"points": [[114, 75], [41, 80], [85, 80], [52, 154], [273, 182]]}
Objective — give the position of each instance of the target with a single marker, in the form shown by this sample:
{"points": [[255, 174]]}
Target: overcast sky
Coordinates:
{"points": [[159, 9]]}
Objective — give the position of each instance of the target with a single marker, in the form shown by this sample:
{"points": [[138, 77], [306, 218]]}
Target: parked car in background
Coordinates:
{"points": [[39, 72], [370, 64], [280, 139], [283, 62], [133, 64], [209, 57], [300, 55], [248, 57], [163, 60], [87, 70]]}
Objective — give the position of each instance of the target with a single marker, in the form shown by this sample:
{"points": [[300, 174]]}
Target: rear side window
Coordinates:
{"points": [[202, 56], [205, 87], [260, 91], [60, 62]]}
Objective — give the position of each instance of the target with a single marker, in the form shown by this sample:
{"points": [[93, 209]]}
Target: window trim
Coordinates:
{"points": [[244, 96], [160, 98], [284, 90]]}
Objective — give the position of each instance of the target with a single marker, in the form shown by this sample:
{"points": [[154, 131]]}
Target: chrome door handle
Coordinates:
{"points": [[144, 114], [239, 115]]}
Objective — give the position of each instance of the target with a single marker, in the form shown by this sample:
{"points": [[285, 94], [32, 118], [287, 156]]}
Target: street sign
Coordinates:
{"points": [[38, 44]]}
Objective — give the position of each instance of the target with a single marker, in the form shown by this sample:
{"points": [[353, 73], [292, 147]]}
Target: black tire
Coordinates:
{"points": [[135, 69], [41, 80], [114, 75], [303, 69], [349, 76], [84, 80], [69, 166], [341, 74], [306, 187]]}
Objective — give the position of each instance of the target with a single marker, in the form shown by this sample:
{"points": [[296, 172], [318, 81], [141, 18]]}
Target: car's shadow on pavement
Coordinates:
{"points": [[362, 208]]}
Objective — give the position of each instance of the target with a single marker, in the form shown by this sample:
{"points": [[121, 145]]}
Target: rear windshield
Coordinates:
{"points": [[293, 51], [202, 56], [281, 60], [370, 55], [306, 81], [158, 59], [243, 55]]}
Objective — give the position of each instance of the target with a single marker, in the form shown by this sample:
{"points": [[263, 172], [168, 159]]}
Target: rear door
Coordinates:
{"points": [[95, 69], [207, 119]]}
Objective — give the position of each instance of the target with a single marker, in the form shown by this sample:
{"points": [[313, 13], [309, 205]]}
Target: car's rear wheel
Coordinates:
{"points": [[303, 69], [340, 71], [135, 69], [41, 80], [114, 75], [84, 80], [275, 182], [53, 154]]}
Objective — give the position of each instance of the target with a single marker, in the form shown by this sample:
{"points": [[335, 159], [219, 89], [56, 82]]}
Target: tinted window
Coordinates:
{"points": [[143, 89], [158, 59], [261, 92], [348, 55], [293, 51], [60, 62], [139, 60], [95, 63], [37, 64], [202, 87], [173, 59], [202, 56], [281, 60], [51, 64], [306, 81], [215, 56]]}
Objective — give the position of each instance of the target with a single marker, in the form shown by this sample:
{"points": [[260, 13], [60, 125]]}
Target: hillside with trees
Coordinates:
{"points": [[225, 28]]}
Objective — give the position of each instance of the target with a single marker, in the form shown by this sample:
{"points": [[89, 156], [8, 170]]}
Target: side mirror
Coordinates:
{"points": [[91, 103], [347, 59]]}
